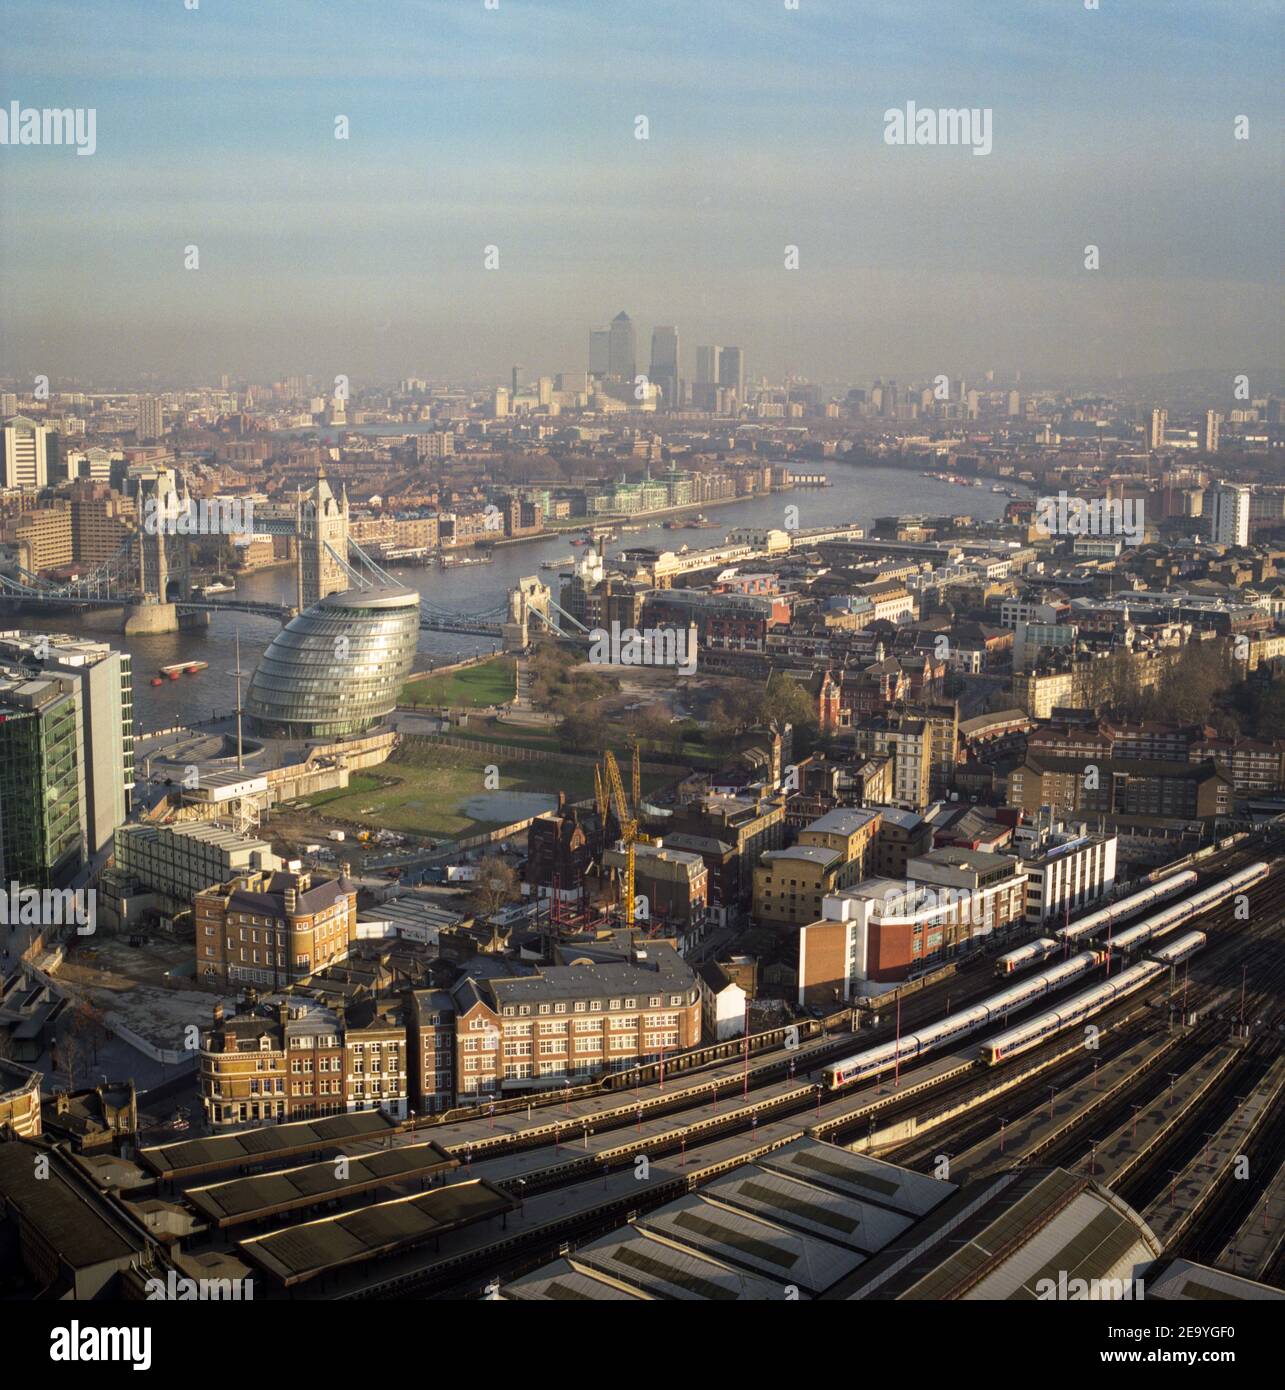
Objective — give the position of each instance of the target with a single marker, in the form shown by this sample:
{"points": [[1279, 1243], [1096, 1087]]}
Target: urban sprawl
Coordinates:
{"points": [[749, 903]]}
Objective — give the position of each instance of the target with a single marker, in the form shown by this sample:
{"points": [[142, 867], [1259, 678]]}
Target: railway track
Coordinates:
{"points": [[795, 1104]]}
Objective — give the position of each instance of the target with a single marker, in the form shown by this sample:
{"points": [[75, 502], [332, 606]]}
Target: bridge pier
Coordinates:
{"points": [[151, 618]]}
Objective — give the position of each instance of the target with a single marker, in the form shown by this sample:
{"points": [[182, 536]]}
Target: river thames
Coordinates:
{"points": [[859, 494]]}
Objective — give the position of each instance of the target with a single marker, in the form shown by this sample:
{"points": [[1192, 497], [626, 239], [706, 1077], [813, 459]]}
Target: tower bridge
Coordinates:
{"points": [[149, 576]]}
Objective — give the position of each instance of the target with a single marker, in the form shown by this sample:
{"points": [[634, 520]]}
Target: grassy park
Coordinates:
{"points": [[472, 687], [439, 790], [442, 791]]}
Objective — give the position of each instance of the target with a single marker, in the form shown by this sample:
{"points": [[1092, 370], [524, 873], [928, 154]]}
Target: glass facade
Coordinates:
{"points": [[41, 788], [337, 667]]}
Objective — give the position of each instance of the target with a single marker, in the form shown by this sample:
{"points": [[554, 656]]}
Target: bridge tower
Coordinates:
{"points": [[530, 594], [321, 519], [164, 558]]}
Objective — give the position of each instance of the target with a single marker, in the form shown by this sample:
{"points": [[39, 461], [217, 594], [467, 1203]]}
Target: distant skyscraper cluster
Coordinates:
{"points": [[718, 383]]}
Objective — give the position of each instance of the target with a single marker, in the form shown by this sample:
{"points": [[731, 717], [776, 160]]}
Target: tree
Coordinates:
{"points": [[70, 1054], [785, 701], [495, 885], [90, 1027]]}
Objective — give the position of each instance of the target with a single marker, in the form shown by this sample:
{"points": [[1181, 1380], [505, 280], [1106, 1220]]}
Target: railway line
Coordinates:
{"points": [[574, 1166], [1235, 959]]}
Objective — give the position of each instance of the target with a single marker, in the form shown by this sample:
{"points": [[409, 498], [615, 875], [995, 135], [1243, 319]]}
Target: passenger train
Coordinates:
{"points": [[1186, 945], [1161, 923], [877, 1060], [1035, 953], [1106, 917], [880, 1059], [1074, 1010]]}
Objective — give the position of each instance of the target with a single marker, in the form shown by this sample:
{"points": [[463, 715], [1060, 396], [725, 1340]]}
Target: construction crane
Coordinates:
{"points": [[628, 831]]}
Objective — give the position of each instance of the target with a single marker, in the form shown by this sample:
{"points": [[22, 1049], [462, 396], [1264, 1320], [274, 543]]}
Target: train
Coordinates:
{"points": [[876, 1060], [1036, 953], [1179, 914], [1186, 945], [1106, 917], [1079, 1007]]}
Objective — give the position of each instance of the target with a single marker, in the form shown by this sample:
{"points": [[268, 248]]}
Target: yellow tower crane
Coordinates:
{"points": [[628, 832]]}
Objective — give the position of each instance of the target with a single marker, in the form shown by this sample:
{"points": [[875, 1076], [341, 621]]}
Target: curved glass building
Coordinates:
{"points": [[337, 667]]}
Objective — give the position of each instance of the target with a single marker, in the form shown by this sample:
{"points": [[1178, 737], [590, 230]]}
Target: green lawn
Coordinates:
{"points": [[442, 792], [358, 784], [475, 687]]}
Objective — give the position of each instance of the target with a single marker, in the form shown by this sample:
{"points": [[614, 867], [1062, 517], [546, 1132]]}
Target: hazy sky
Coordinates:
{"points": [[515, 127]]}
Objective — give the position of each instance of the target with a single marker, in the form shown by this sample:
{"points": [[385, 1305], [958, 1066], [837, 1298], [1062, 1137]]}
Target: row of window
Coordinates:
{"points": [[580, 1006]]}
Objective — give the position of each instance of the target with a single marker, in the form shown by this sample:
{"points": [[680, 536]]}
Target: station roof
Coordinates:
{"points": [[999, 1239], [255, 1147], [752, 1243], [266, 1194], [859, 1176], [65, 1222], [561, 1280], [858, 1226], [298, 1253], [1183, 1281], [640, 1261]]}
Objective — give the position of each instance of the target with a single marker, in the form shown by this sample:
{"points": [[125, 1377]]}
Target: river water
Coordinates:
{"points": [[859, 495]]}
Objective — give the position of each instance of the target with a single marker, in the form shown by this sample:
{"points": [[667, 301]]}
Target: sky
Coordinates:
{"points": [[515, 128]]}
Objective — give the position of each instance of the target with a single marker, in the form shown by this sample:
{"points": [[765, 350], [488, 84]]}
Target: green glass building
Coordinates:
{"points": [[42, 780]]}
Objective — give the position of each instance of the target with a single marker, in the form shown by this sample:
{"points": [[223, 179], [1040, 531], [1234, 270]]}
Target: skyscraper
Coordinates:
{"points": [[1212, 422], [26, 453], [664, 365], [622, 348], [731, 371], [599, 351], [105, 704], [707, 359], [1228, 505], [1156, 429], [151, 418]]}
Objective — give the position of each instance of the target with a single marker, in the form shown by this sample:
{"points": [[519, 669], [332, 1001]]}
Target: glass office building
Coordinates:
{"points": [[337, 667], [42, 780]]}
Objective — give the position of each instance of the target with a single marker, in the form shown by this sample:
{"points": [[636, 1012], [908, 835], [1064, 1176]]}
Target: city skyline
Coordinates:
{"points": [[515, 128]]}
